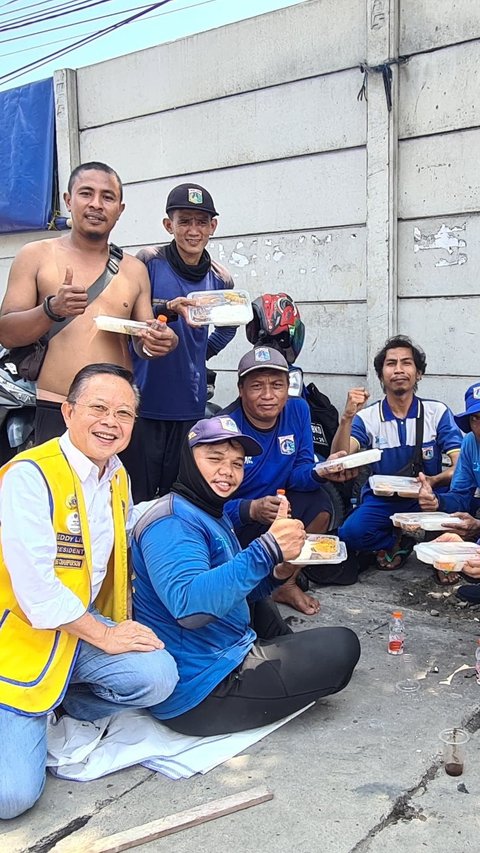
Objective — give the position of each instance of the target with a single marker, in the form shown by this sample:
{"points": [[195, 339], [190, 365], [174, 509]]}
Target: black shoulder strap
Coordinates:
{"points": [[417, 458], [115, 255]]}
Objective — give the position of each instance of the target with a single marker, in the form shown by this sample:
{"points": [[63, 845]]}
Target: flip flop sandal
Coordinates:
{"points": [[385, 560]]}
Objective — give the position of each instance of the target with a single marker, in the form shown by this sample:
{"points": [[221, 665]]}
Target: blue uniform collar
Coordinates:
{"points": [[386, 413]]}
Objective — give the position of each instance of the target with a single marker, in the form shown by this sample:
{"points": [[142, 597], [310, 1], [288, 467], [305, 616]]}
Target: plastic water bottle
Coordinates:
{"points": [[396, 633], [158, 324], [477, 661], [281, 494]]}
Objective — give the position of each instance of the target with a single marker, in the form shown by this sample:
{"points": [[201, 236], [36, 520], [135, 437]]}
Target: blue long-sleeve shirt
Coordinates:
{"points": [[465, 480], [174, 388], [191, 585], [287, 461]]}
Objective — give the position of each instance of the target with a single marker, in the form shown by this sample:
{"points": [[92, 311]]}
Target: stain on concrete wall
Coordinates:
{"points": [[449, 240]]}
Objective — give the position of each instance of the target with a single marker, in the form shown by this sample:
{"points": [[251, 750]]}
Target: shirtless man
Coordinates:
{"points": [[49, 279]]}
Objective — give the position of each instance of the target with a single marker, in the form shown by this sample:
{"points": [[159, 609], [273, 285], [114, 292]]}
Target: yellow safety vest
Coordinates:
{"points": [[35, 664]]}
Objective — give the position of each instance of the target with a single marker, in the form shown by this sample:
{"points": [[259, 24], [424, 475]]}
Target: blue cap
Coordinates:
{"points": [[472, 407], [222, 428]]}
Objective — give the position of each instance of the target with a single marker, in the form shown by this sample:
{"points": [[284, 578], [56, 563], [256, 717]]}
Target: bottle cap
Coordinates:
{"points": [[282, 492], [161, 318], [398, 614]]}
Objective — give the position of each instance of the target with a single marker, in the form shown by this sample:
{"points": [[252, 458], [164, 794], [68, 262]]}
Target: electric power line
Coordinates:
{"points": [[79, 6], [70, 25], [91, 32], [19, 72]]}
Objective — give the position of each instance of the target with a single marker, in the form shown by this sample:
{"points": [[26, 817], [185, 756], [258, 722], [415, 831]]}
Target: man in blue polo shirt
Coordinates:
{"points": [[174, 396], [281, 425], [390, 425]]}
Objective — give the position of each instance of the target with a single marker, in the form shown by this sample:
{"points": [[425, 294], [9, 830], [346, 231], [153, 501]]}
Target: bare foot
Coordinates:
{"points": [[292, 595]]}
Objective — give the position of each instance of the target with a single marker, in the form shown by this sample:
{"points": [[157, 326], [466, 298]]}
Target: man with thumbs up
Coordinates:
{"points": [[192, 582], [49, 282]]}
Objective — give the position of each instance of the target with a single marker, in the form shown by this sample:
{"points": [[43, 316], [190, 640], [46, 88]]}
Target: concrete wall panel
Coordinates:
{"points": [[334, 340], [448, 389], [447, 329], [440, 91], [311, 266], [249, 128], [432, 23], [439, 175], [301, 41], [439, 257], [323, 190]]}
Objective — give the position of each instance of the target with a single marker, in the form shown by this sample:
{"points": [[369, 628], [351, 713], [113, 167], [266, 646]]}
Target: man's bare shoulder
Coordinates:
{"points": [[223, 274], [37, 249], [131, 264], [149, 253]]}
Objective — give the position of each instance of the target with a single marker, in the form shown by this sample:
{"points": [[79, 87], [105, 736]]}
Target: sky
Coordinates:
{"points": [[24, 38]]}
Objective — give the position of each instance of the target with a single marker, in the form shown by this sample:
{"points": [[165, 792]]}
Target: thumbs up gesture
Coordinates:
{"points": [[70, 299], [426, 497]]}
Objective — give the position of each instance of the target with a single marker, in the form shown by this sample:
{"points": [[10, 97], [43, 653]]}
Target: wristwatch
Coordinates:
{"points": [[48, 311]]}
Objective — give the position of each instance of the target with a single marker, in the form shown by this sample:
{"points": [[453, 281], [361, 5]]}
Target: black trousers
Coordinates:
{"points": [[277, 677], [152, 458]]}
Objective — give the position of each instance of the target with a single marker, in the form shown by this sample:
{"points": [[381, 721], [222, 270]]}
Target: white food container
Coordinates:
{"points": [[385, 486], [220, 308], [353, 460], [308, 557], [447, 556], [413, 521], [119, 324]]}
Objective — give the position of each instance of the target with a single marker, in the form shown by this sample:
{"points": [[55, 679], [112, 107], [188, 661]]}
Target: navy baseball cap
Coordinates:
{"points": [[222, 428], [472, 407], [267, 358], [190, 197]]}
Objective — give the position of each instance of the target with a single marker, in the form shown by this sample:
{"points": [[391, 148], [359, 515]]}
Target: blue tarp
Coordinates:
{"points": [[27, 136]]}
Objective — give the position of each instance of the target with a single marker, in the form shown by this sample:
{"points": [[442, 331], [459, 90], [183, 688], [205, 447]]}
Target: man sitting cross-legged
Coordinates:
{"points": [[281, 425]]}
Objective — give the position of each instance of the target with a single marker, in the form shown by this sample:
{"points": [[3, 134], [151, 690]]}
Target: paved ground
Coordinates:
{"points": [[357, 773]]}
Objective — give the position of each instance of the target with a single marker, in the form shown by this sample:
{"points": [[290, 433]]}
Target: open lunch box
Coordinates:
{"points": [[220, 307], [447, 556], [412, 522], [385, 486], [321, 548]]}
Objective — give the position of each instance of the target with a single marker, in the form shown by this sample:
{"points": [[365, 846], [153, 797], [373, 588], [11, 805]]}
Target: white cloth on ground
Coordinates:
{"points": [[83, 751]]}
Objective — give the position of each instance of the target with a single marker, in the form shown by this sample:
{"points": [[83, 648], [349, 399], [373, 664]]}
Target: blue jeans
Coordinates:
{"points": [[369, 528], [101, 684]]}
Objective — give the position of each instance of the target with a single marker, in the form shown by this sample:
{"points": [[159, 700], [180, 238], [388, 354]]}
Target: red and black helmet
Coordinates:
{"points": [[276, 323]]}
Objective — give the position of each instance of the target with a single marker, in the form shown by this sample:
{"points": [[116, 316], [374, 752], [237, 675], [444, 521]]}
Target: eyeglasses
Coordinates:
{"points": [[98, 410]]}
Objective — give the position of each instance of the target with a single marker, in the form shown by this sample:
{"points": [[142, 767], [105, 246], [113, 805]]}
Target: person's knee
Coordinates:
{"points": [[162, 677], [349, 647], [21, 798]]}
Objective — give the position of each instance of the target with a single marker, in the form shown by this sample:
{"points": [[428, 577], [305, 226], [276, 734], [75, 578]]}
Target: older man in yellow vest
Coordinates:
{"points": [[65, 512]]}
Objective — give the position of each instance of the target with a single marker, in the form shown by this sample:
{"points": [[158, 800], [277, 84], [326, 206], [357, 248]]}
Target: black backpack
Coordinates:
{"points": [[324, 419]]}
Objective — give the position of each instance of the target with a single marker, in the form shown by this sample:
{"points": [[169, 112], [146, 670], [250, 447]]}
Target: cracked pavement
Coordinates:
{"points": [[359, 772]]}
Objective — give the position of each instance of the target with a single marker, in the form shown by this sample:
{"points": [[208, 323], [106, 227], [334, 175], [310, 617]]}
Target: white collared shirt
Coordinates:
{"points": [[29, 542]]}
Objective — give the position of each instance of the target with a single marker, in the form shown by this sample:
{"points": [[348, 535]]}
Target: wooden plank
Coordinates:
{"points": [[175, 822]]}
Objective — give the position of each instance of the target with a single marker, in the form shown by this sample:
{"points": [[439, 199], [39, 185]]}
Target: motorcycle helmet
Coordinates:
{"points": [[276, 323]]}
